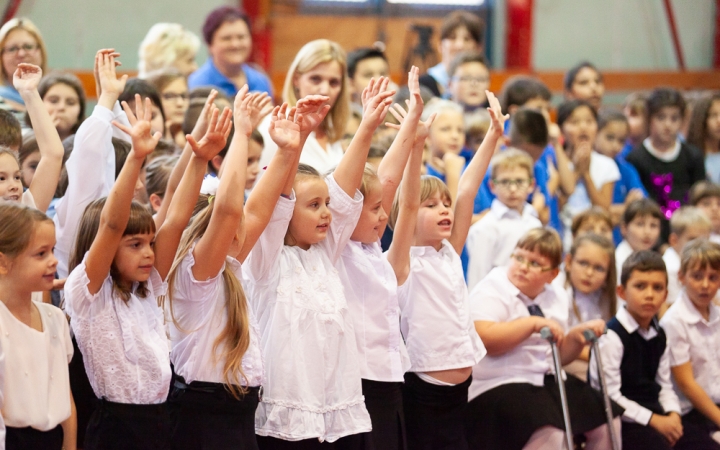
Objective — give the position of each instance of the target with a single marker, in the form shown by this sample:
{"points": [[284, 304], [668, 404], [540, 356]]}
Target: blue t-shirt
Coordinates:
{"points": [[209, 75], [629, 180]]}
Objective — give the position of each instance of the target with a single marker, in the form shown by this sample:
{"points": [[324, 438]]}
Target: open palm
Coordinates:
{"points": [[286, 131], [215, 137], [313, 111], [27, 77], [143, 140]]}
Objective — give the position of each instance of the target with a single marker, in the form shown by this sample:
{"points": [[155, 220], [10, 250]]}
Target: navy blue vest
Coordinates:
{"points": [[639, 365]]}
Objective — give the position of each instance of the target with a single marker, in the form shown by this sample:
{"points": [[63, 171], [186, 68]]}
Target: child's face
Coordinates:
{"points": [[447, 133], [63, 105], [135, 257], [701, 285], [713, 120], [175, 100], [434, 221], [35, 266], [253, 163], [644, 293], [665, 125], [11, 188], [637, 123], [642, 232], [459, 40], [529, 271], [28, 168], [711, 207], [691, 233], [588, 85], [580, 128], [366, 70], [469, 83], [512, 186], [311, 217], [324, 79], [588, 268], [373, 217], [611, 139], [539, 104], [597, 226]]}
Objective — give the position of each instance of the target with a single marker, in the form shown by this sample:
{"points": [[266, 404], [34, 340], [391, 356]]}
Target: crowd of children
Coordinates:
{"points": [[362, 266]]}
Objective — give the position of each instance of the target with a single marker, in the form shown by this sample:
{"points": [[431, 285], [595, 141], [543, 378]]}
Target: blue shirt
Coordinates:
{"points": [[629, 180], [209, 75]]}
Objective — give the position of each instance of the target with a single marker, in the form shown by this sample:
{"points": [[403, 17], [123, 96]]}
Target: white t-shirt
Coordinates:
{"points": [[622, 252], [201, 311], [124, 344], [672, 264], [37, 381]]}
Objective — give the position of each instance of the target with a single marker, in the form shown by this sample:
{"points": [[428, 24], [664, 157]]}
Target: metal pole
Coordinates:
{"points": [[547, 334], [590, 337]]}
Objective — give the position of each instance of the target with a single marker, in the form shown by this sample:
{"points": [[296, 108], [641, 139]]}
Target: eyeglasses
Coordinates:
{"points": [[585, 265], [533, 266], [520, 183], [470, 80], [172, 96], [29, 48]]}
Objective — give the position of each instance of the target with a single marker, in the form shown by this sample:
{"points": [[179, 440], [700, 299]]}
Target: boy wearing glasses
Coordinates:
{"points": [[469, 78], [492, 239], [514, 399]]}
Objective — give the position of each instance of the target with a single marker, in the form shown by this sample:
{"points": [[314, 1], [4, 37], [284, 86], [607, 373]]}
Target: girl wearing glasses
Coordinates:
{"points": [[173, 89], [20, 42]]}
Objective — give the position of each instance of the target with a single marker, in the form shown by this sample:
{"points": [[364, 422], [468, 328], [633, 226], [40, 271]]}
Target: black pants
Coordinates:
{"points": [[384, 402], [83, 395], [434, 414], [124, 426], [696, 433], [209, 417], [642, 437], [353, 442], [32, 439]]}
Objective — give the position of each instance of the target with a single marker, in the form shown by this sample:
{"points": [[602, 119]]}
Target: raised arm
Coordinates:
{"points": [[392, 165], [168, 236], [227, 215], [474, 174], [116, 212], [26, 79], [376, 101]]}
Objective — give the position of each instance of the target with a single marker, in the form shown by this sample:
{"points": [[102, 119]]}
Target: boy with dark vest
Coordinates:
{"points": [[636, 359]]}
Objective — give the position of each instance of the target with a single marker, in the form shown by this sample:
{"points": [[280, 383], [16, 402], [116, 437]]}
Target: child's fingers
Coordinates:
{"points": [[213, 120], [192, 142], [292, 114], [283, 110], [226, 121], [394, 126], [128, 113], [121, 127], [396, 115], [430, 120]]}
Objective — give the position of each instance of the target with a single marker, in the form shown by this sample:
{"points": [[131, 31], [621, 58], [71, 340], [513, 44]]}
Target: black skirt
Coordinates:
{"points": [[360, 441], [384, 402], [696, 432], [83, 395], [506, 416], [434, 414], [32, 439], [209, 417], [116, 426]]}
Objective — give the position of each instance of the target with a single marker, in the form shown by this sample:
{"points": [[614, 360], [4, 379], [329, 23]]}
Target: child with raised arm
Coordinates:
{"points": [[38, 409], [514, 400], [434, 319], [118, 267], [692, 324], [214, 333], [371, 287], [313, 391], [636, 358]]}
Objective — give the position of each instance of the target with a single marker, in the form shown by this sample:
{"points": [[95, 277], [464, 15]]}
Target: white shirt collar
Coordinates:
{"points": [[630, 324], [690, 313], [500, 210], [663, 156]]}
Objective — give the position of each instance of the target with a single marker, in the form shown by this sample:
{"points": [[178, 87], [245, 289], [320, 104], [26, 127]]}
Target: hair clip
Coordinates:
{"points": [[210, 199]]}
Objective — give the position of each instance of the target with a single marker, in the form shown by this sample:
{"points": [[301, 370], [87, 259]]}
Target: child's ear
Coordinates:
{"points": [[217, 163], [568, 260], [511, 109], [492, 187], [623, 230], [155, 202], [5, 264], [620, 290], [673, 239]]}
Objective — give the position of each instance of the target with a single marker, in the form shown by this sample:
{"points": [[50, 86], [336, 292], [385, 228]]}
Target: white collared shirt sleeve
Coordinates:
{"points": [[120, 117], [611, 349], [668, 398], [345, 215], [679, 351], [268, 247]]}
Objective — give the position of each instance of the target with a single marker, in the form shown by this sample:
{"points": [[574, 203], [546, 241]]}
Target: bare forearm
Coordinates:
{"points": [[391, 167], [568, 180], [598, 197], [501, 337], [116, 212], [700, 400], [350, 169], [234, 174]]}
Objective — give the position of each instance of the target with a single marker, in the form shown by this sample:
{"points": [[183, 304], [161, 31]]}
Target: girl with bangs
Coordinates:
{"points": [[214, 335], [118, 268]]}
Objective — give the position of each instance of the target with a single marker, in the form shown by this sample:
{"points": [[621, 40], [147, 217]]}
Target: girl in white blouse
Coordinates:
{"points": [[435, 321], [37, 409], [214, 334], [313, 391], [118, 271]]}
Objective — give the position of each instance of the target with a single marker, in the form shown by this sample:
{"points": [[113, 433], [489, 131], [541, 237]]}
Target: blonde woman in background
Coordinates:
{"points": [[20, 42], [168, 45]]}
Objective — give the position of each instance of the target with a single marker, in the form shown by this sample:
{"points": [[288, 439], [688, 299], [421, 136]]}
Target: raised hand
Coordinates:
{"points": [[285, 127], [313, 109], [201, 125], [260, 106], [497, 118], [423, 128], [110, 85], [581, 158], [376, 101], [143, 141], [215, 137], [414, 87], [242, 111], [96, 68], [27, 77]]}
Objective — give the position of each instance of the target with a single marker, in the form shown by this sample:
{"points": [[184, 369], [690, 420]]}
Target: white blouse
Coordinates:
{"points": [[371, 292], [199, 307], [313, 387], [124, 345], [37, 382], [435, 312]]}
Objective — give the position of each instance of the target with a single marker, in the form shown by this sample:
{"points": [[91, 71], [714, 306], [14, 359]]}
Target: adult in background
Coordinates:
{"points": [[461, 31], [20, 42], [168, 45], [227, 34]]}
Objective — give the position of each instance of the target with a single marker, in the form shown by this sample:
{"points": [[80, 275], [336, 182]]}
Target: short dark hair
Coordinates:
{"points": [[145, 89], [70, 80], [528, 126], [466, 58], [642, 261], [456, 19], [10, 131], [642, 207], [219, 16], [520, 89], [361, 54], [660, 98], [572, 73], [568, 107], [702, 190], [610, 115]]}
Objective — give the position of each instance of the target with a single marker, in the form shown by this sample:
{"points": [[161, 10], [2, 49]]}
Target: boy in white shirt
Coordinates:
{"points": [[636, 358], [640, 229], [706, 196], [686, 224], [492, 239], [692, 324]]}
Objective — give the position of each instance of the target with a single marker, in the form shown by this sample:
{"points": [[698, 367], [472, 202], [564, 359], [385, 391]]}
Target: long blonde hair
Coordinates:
{"points": [[310, 55], [236, 335], [20, 23], [607, 297]]}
